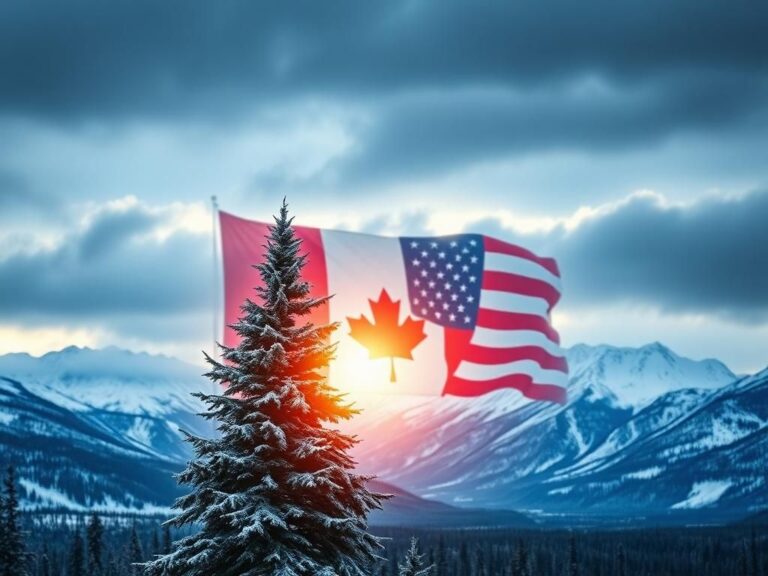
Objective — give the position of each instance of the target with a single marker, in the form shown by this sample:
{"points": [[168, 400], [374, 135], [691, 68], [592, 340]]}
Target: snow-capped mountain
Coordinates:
{"points": [[98, 428], [637, 376], [144, 399], [66, 460], [644, 433], [109, 379]]}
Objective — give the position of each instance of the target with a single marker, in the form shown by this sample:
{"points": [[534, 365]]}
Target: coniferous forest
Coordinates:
{"points": [[71, 545]]}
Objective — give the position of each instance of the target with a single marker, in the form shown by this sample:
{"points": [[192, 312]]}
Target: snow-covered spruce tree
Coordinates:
{"points": [[95, 545], [76, 555], [275, 494], [14, 555], [3, 536], [413, 564]]}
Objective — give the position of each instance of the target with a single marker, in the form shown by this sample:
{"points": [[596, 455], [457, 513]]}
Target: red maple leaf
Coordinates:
{"points": [[386, 337]]}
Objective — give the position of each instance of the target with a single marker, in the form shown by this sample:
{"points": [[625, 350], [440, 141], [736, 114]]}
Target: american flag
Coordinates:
{"points": [[494, 301]]}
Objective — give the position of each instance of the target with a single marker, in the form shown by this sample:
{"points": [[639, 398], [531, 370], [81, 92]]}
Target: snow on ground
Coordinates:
{"points": [[703, 494], [52, 498], [646, 474], [49, 497]]}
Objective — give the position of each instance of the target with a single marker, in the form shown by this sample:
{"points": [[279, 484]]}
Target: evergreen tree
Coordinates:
{"points": [[3, 537], [520, 563], [15, 558], [441, 559], [167, 542], [573, 561], [754, 554], [95, 537], [621, 561], [155, 542], [44, 565], [274, 494], [743, 560], [135, 552], [76, 556], [465, 567], [113, 569], [479, 562], [413, 565]]}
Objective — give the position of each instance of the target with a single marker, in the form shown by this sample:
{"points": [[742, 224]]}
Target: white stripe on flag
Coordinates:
{"points": [[521, 266], [490, 338], [480, 372], [509, 302]]}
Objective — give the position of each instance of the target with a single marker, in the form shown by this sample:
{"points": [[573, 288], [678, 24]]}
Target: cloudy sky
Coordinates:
{"points": [[628, 140]]}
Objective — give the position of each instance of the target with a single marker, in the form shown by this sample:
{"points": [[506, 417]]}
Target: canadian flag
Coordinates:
{"points": [[462, 315]]}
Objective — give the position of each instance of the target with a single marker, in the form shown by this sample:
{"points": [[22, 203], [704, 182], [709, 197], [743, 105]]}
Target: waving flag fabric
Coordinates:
{"points": [[461, 315]]}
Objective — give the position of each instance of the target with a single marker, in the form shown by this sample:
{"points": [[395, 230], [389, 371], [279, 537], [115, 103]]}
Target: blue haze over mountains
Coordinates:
{"points": [[645, 434]]}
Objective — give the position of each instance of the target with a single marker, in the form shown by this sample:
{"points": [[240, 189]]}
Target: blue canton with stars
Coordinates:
{"points": [[444, 276]]}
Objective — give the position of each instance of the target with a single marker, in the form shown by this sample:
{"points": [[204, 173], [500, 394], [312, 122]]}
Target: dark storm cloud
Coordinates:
{"points": [[430, 132], [706, 258], [443, 84], [121, 56], [711, 257], [110, 269]]}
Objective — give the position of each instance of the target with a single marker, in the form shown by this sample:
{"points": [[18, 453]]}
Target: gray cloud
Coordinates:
{"points": [[18, 198], [109, 270], [418, 135], [111, 230], [707, 258], [440, 85], [90, 57]]}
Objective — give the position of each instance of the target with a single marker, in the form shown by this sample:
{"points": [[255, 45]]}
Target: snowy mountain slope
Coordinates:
{"points": [[110, 379], [66, 460], [644, 432], [637, 376], [712, 459], [142, 398], [104, 437]]}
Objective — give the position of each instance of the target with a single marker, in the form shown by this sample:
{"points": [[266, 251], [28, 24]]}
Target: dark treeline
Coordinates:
{"points": [[71, 544], [62, 545], [93, 545], [724, 551]]}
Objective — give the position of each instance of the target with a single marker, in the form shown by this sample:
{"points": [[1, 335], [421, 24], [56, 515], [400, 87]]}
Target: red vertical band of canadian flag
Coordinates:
{"points": [[243, 245], [484, 305]]}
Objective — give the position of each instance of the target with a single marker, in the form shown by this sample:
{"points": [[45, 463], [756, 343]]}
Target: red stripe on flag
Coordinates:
{"points": [[523, 382], [483, 355], [506, 282], [458, 347], [457, 342], [498, 320], [495, 245], [243, 245]]}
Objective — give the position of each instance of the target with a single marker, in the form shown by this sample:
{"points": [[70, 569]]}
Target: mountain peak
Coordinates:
{"points": [[636, 376], [109, 378]]}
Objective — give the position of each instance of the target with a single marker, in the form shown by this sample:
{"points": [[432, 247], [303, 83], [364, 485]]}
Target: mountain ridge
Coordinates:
{"points": [[598, 455]]}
